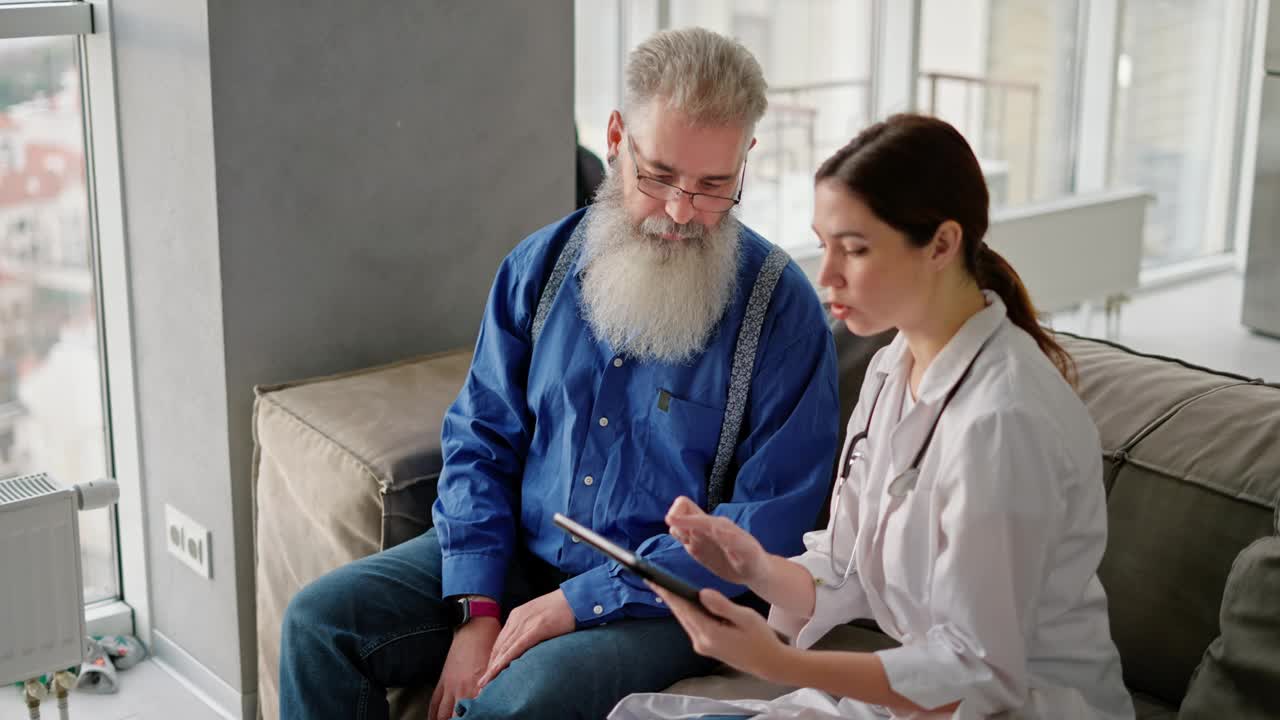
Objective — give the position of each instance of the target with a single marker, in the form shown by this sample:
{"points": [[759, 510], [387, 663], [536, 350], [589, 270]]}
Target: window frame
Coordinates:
{"points": [[89, 21]]}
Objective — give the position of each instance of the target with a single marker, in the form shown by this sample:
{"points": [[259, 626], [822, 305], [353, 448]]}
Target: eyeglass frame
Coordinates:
{"points": [[679, 191]]}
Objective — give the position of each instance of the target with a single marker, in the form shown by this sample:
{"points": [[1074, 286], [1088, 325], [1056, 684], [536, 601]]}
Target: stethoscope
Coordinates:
{"points": [[903, 483]]}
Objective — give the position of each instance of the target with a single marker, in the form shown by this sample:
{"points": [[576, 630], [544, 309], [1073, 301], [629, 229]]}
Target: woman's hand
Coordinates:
{"points": [[724, 548], [731, 633]]}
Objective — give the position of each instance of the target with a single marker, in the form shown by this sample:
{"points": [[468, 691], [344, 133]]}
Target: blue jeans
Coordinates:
{"points": [[380, 622]]}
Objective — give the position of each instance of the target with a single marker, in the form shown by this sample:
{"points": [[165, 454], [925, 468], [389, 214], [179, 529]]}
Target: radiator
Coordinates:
{"points": [[41, 588]]}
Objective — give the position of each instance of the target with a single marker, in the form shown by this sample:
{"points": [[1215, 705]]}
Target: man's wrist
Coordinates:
{"points": [[469, 608], [478, 622]]}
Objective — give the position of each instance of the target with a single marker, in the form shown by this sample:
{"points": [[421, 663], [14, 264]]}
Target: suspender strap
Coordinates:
{"points": [[720, 485], [568, 258]]}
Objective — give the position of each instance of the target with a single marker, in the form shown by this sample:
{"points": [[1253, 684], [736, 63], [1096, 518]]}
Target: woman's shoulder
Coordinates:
{"points": [[1017, 382]]}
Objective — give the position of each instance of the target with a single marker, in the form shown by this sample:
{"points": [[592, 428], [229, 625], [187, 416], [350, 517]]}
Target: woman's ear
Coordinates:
{"points": [[947, 243]]}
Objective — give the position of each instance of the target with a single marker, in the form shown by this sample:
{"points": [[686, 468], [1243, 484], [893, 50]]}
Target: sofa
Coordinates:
{"points": [[347, 465]]}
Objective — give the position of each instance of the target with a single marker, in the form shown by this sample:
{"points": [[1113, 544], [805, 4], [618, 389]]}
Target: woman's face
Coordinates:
{"points": [[874, 278]]}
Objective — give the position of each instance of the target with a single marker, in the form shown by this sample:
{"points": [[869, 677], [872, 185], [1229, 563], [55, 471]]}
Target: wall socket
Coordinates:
{"points": [[187, 540]]}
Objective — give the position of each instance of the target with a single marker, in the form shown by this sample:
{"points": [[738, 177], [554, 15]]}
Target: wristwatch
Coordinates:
{"points": [[466, 608]]}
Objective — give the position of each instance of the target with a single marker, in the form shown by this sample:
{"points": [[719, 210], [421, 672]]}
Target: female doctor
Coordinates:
{"points": [[968, 519]]}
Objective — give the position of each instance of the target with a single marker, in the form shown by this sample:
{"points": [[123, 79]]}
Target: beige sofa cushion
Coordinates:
{"points": [[344, 466], [1194, 477], [1187, 499]]}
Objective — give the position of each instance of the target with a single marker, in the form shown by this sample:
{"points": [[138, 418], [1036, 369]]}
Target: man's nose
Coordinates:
{"points": [[681, 209]]}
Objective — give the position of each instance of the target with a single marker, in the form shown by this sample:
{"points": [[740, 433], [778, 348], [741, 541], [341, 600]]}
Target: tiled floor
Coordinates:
{"points": [[147, 692], [1197, 321]]}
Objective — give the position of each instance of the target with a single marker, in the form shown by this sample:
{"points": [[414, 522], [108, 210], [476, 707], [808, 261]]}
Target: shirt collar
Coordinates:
{"points": [[947, 367]]}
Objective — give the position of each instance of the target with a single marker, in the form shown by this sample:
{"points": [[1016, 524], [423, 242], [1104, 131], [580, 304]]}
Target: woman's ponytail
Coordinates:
{"points": [[994, 273]]}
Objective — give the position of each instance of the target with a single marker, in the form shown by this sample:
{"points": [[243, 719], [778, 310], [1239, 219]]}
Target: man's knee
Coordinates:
{"points": [[317, 605]]}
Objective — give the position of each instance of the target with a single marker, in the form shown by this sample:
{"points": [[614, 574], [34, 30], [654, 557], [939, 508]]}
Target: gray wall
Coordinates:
{"points": [[311, 188]]}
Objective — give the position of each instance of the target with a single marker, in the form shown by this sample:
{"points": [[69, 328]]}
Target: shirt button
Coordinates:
{"points": [[657, 599], [576, 539], [617, 362], [588, 480], [604, 422], [599, 610]]}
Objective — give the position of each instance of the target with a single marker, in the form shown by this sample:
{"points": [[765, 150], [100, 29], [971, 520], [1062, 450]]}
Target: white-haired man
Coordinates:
{"points": [[648, 348]]}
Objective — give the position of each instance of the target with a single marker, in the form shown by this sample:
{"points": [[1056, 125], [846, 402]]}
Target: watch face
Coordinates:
{"points": [[461, 611]]}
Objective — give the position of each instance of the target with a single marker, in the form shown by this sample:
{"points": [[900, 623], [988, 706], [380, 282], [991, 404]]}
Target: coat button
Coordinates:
{"points": [[599, 610], [604, 422]]}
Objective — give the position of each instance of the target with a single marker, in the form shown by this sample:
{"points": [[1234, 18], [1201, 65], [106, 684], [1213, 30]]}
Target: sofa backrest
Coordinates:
{"points": [[1193, 476]]}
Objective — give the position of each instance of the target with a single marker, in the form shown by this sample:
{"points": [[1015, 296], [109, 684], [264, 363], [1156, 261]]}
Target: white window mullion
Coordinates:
{"points": [[1235, 82], [102, 143], [895, 41], [1252, 117], [1097, 95]]}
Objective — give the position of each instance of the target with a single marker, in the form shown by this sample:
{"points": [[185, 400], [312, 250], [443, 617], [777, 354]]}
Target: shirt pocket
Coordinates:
{"points": [[680, 448]]}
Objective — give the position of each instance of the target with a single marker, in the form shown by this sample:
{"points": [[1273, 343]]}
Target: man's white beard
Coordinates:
{"points": [[650, 298]]}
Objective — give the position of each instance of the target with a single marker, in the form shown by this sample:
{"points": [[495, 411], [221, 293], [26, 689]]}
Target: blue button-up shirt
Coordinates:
{"points": [[571, 426]]}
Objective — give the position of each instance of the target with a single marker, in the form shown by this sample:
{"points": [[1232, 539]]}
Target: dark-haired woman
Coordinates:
{"points": [[968, 519]]}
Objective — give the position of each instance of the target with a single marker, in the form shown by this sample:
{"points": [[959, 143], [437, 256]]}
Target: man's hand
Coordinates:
{"points": [[468, 656], [539, 619]]}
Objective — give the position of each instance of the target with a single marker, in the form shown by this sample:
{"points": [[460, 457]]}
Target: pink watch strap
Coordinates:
{"points": [[485, 608]]}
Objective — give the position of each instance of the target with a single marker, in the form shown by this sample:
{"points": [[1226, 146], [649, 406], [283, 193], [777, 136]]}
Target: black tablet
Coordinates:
{"points": [[628, 560]]}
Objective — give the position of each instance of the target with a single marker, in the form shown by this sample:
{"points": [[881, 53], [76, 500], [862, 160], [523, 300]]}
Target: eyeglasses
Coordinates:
{"points": [[667, 192]]}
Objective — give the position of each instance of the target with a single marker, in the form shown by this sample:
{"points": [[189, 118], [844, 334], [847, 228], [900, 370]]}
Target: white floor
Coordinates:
{"points": [[147, 692], [1197, 321]]}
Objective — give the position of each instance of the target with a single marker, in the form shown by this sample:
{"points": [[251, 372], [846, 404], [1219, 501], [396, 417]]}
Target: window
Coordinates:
{"points": [[52, 416], [604, 33], [1004, 72], [816, 58], [1178, 84]]}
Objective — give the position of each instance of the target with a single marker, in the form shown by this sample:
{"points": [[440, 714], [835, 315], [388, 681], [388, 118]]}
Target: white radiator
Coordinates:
{"points": [[41, 590]]}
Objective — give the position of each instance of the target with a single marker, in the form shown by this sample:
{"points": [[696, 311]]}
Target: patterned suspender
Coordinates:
{"points": [[568, 256], [719, 484]]}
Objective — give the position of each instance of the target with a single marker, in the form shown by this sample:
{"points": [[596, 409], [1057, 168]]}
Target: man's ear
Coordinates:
{"points": [[614, 134], [947, 243]]}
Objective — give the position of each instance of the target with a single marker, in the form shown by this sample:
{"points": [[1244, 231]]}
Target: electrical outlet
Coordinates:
{"points": [[187, 540]]}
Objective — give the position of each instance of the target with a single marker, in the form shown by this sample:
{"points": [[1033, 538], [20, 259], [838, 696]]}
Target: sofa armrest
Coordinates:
{"points": [[344, 466]]}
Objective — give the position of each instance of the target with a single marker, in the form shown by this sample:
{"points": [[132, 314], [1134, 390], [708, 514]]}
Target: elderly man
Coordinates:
{"points": [[647, 348]]}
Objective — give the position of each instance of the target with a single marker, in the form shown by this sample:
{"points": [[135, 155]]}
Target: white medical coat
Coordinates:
{"points": [[986, 570]]}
